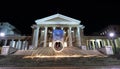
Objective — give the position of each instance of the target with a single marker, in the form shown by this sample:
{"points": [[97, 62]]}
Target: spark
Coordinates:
{"points": [[69, 52]]}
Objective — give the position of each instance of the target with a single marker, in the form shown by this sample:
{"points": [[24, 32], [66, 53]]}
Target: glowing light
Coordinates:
{"points": [[97, 40], [48, 52], [43, 31], [65, 44], [64, 32], [50, 44], [111, 34], [62, 56], [2, 34], [72, 31], [57, 56]]}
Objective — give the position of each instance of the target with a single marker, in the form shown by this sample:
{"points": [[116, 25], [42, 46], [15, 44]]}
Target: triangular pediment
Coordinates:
{"points": [[57, 18]]}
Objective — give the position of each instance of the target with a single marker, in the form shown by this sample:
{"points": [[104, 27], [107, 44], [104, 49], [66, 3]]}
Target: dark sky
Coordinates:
{"points": [[94, 14]]}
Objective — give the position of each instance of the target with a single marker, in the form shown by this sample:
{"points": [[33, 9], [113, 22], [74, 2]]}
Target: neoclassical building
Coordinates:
{"points": [[43, 31], [58, 32], [8, 29]]}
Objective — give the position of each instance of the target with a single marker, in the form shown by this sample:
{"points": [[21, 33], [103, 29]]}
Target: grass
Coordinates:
{"points": [[19, 61]]}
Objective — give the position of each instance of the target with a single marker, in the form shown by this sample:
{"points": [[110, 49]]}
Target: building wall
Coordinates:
{"points": [[8, 29], [96, 42]]}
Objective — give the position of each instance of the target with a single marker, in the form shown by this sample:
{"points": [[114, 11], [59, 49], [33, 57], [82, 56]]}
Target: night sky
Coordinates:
{"points": [[94, 14]]}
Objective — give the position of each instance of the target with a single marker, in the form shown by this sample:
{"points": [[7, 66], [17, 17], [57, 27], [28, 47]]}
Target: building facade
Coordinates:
{"points": [[11, 36], [43, 31], [62, 31], [8, 29]]}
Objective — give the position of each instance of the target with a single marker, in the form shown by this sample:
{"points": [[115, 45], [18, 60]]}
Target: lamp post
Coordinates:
{"points": [[112, 35]]}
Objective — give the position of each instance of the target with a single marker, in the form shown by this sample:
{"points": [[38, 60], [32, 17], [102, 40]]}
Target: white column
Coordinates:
{"points": [[73, 34], [26, 45], [108, 42], [11, 43], [96, 44], [45, 37], [104, 42], [93, 44], [19, 44], [23, 45], [70, 37], [16, 45], [5, 43], [36, 37], [15, 42], [89, 45], [63, 33], [34, 33], [78, 31], [116, 42]]}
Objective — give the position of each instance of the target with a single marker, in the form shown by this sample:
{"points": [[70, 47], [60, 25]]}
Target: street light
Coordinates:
{"points": [[112, 35], [2, 34]]}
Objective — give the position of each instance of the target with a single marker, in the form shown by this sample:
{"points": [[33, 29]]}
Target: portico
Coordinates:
{"points": [[42, 35], [62, 34]]}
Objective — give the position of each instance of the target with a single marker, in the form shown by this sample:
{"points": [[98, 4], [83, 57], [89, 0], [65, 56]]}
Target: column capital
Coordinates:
{"points": [[81, 26], [35, 26]]}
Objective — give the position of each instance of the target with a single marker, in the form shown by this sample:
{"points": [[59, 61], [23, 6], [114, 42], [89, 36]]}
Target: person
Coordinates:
{"points": [[56, 45]]}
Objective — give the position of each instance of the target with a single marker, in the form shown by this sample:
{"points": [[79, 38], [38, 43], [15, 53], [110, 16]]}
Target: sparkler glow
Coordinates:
{"points": [[68, 52]]}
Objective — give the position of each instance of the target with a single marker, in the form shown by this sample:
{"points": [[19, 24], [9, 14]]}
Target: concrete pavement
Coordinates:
{"points": [[82, 67]]}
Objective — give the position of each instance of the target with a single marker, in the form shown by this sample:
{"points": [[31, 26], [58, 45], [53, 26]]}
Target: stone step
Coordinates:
{"points": [[68, 51], [16, 60]]}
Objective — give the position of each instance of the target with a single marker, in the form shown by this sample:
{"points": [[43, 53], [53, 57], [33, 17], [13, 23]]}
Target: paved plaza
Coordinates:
{"points": [[82, 67]]}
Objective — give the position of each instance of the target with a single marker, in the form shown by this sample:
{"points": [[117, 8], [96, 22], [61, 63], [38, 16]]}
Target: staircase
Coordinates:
{"points": [[23, 52], [68, 51]]}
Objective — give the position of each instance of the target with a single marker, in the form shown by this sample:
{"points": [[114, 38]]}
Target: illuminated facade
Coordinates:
{"points": [[43, 31], [8, 29], [46, 33], [10, 36]]}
